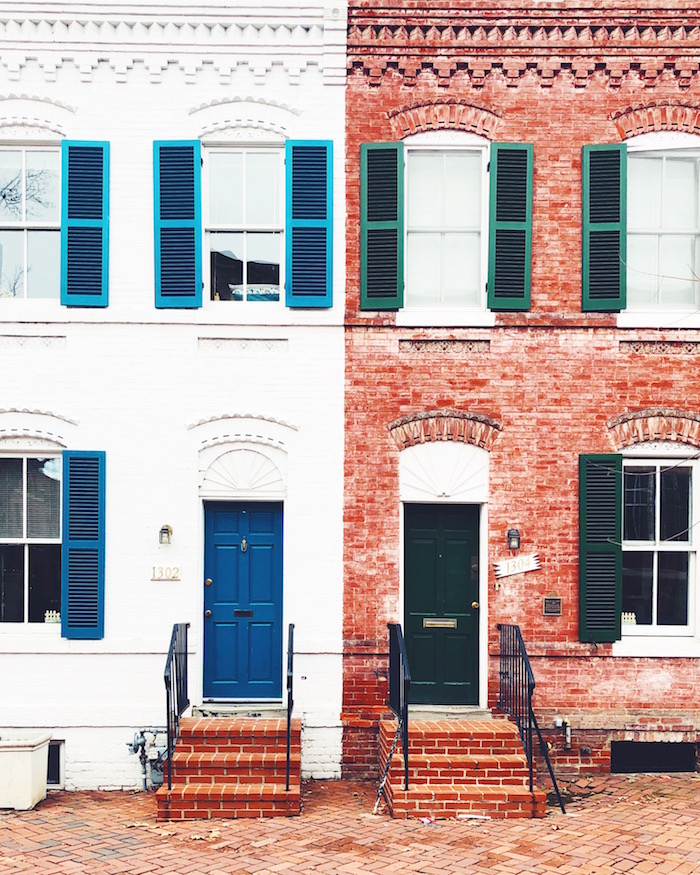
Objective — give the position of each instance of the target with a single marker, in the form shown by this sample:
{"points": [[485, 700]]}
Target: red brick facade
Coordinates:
{"points": [[540, 387]]}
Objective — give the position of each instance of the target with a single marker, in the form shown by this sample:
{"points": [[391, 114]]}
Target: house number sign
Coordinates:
{"points": [[517, 565], [165, 572]]}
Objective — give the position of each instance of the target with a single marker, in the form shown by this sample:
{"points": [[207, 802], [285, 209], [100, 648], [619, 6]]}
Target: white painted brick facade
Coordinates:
{"points": [[152, 387]]}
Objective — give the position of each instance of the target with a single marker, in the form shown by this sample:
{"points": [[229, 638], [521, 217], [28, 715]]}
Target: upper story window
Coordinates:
{"points": [[245, 224], [446, 227], [30, 222], [641, 227]]}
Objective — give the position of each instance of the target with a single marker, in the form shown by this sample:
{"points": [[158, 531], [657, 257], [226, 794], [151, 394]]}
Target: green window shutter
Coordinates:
{"points": [[510, 226], [83, 547], [604, 227], [178, 223], [600, 552], [309, 223], [381, 226], [84, 223]]}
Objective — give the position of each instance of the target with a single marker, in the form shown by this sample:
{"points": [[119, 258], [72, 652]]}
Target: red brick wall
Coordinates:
{"points": [[552, 377]]}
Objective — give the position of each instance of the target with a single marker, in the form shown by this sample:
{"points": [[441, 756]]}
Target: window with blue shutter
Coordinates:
{"points": [[308, 226], [85, 224], [600, 547], [510, 226], [83, 545], [604, 189], [178, 224]]}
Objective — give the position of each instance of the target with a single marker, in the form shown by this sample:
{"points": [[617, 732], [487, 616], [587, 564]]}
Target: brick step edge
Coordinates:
{"points": [[447, 800], [208, 803], [216, 729], [234, 759]]}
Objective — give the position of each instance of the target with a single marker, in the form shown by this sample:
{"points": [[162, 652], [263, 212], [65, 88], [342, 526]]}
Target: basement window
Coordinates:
{"points": [[632, 757], [54, 771]]}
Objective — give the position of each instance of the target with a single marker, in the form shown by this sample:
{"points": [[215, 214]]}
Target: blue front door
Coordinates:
{"points": [[243, 600]]}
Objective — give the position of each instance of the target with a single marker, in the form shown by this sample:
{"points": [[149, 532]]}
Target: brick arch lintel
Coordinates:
{"points": [[458, 426], [655, 424], [443, 115], [672, 115]]}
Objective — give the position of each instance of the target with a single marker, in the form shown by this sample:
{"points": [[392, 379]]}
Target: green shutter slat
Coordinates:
{"points": [[308, 223], [604, 186], [600, 551], [178, 225], [83, 548], [84, 223], [381, 226], [510, 226]]}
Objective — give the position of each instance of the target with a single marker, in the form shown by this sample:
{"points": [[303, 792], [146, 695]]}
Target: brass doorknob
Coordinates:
{"points": [[207, 613], [475, 604], [208, 581]]}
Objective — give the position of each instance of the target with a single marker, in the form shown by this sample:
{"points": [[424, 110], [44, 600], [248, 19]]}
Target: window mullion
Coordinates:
{"points": [[25, 536]]}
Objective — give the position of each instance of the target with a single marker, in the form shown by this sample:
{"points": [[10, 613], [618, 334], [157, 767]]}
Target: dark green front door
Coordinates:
{"points": [[441, 581]]}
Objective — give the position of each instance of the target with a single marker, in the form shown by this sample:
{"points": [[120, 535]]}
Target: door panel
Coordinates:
{"points": [[243, 634], [441, 581]]}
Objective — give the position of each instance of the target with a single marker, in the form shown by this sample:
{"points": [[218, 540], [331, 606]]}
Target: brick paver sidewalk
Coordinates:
{"points": [[625, 824]]}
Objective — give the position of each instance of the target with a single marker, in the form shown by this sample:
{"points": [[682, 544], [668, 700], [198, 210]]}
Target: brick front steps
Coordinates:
{"points": [[230, 768], [459, 767]]}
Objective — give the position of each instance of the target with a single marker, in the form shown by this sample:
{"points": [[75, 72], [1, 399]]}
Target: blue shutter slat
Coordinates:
{"points": [[178, 225], [83, 550], [85, 224], [309, 222]]}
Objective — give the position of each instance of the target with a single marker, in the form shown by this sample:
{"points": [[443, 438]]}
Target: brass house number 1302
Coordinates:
{"points": [[165, 572]]}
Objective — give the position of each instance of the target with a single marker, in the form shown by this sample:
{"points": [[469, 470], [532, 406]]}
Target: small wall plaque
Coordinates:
{"points": [[552, 606]]}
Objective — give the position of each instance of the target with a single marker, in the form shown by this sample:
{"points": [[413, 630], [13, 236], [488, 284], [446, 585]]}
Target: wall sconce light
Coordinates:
{"points": [[165, 534], [513, 538]]}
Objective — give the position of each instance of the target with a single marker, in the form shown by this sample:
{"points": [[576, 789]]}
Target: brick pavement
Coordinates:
{"points": [[619, 825]]}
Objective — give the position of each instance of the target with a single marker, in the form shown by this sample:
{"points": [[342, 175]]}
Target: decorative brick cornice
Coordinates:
{"points": [[655, 424], [445, 425], [452, 115], [662, 116]]}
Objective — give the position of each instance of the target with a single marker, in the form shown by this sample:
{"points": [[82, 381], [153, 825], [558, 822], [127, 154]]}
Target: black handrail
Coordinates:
{"points": [[290, 694], [516, 684], [176, 696], [399, 687]]}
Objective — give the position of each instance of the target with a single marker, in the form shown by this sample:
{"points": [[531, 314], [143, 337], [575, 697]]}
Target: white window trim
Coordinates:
{"points": [[659, 317], [663, 641], [244, 307], [434, 316]]}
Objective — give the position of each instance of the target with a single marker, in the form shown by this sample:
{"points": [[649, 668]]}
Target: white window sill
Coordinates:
{"points": [[657, 646], [434, 317], [659, 319]]}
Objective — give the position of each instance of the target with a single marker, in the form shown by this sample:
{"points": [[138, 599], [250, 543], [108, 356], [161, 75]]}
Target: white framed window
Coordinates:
{"points": [[30, 539], [446, 219], [245, 223], [659, 546], [30, 222]]}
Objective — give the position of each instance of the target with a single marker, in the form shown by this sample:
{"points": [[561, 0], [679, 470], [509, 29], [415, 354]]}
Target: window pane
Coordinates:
{"points": [[680, 193], [43, 186], [11, 264], [644, 179], [11, 583], [678, 279], [462, 186], [637, 586], [226, 255], [44, 580], [11, 498], [423, 269], [226, 188], [461, 257], [640, 492], [642, 269], [10, 186], [672, 608], [262, 188], [675, 504], [263, 266], [44, 260], [425, 190], [43, 498]]}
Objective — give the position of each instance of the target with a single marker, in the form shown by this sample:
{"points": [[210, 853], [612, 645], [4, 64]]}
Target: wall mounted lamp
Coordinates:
{"points": [[165, 534], [513, 538]]}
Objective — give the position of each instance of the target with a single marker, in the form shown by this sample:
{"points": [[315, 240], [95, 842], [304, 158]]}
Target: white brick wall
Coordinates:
{"points": [[133, 381]]}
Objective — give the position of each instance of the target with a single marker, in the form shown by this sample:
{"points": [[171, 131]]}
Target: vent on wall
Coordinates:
{"points": [[629, 757]]}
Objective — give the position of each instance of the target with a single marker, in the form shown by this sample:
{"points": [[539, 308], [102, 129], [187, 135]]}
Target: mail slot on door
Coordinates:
{"points": [[238, 613], [439, 622]]}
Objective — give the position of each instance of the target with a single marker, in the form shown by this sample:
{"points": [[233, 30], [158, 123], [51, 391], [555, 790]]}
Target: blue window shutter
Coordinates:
{"points": [[309, 223], [177, 171], [83, 548], [84, 223]]}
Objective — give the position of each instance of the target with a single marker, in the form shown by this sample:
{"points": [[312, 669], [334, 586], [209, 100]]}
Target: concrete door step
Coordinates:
{"points": [[244, 710], [448, 712]]}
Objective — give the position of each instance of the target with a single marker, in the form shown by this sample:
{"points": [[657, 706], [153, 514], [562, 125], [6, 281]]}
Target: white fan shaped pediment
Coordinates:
{"points": [[243, 473], [444, 471]]}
